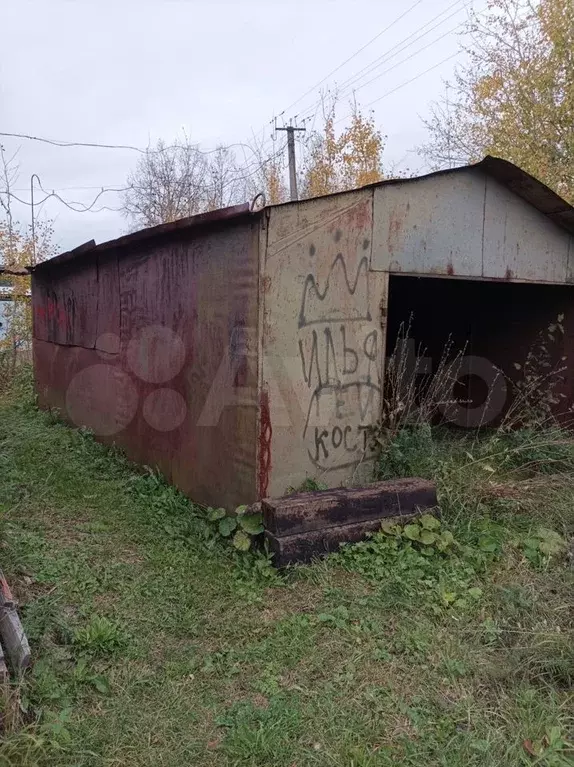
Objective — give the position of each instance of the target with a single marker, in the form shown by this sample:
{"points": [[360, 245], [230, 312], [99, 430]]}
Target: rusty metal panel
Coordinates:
{"points": [[65, 306], [520, 242], [176, 385], [188, 316], [108, 320], [322, 342], [161, 232], [88, 388], [430, 225]]}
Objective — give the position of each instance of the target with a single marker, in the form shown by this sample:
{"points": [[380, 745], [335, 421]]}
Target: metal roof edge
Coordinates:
{"points": [[212, 217], [523, 184]]}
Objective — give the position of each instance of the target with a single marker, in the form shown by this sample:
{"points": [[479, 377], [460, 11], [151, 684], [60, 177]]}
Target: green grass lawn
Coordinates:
{"points": [[156, 644]]}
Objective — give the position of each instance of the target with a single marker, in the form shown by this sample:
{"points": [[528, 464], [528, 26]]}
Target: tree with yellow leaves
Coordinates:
{"points": [[336, 162], [515, 97], [18, 249]]}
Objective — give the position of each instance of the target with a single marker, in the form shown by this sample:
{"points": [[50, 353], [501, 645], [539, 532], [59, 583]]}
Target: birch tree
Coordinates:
{"points": [[515, 97]]}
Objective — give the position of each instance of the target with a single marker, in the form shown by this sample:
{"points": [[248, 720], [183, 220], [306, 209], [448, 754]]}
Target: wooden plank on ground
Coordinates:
{"points": [[303, 547], [306, 512]]}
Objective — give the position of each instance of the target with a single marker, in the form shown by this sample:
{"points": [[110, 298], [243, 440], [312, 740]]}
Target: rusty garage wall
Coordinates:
{"points": [[322, 342], [242, 353], [149, 342]]}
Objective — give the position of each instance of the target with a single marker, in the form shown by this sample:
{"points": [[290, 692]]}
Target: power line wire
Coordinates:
{"points": [[90, 208], [357, 52], [407, 41], [394, 51], [97, 145], [353, 83], [110, 187], [408, 58], [402, 85]]}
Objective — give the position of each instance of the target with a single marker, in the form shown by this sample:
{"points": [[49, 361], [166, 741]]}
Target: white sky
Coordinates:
{"points": [[133, 71]]}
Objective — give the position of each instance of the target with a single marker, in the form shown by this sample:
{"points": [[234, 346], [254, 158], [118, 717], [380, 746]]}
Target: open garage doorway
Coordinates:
{"points": [[495, 328]]}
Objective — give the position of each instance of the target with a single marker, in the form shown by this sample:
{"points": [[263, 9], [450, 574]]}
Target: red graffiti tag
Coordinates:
{"points": [[265, 433], [51, 312]]}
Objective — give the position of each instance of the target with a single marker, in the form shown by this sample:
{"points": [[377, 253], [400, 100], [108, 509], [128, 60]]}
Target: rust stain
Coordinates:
{"points": [[360, 216], [395, 230], [508, 274], [265, 434], [450, 269]]}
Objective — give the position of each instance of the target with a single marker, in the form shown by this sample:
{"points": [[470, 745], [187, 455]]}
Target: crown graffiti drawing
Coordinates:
{"points": [[341, 300]]}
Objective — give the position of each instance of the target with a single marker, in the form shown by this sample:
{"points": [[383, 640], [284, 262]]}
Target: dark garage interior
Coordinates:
{"points": [[494, 323]]}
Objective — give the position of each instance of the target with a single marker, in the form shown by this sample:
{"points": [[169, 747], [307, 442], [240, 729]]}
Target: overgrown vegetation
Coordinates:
{"points": [[446, 641]]}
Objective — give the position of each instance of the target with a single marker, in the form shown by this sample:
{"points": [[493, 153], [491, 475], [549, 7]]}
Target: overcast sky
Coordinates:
{"points": [[133, 71]]}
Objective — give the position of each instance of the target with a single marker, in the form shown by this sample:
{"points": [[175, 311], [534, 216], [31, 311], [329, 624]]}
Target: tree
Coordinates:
{"points": [[179, 180], [224, 184], [169, 182], [515, 97], [338, 162], [18, 249], [267, 174]]}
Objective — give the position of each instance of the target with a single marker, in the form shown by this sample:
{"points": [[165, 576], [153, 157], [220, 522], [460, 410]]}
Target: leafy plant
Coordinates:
{"points": [[420, 562], [410, 452], [537, 390], [83, 674], [542, 546], [553, 749], [425, 530], [100, 636], [241, 527], [534, 450]]}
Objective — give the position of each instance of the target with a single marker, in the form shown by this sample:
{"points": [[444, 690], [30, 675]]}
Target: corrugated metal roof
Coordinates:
{"points": [[162, 230], [517, 180]]}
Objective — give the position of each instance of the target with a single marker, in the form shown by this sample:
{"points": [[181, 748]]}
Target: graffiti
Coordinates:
{"points": [[265, 434], [354, 407], [51, 312], [339, 354], [340, 359], [326, 306]]}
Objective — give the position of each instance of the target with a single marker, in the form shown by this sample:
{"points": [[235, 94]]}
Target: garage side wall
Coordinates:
{"points": [[153, 349], [322, 343]]}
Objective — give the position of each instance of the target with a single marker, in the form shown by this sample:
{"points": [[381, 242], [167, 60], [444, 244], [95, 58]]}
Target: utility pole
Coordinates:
{"points": [[292, 162]]}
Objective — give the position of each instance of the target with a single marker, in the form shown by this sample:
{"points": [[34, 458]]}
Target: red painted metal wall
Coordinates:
{"points": [[152, 345]]}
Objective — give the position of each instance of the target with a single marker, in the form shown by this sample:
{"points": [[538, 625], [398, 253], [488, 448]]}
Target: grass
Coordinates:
{"points": [[155, 643]]}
